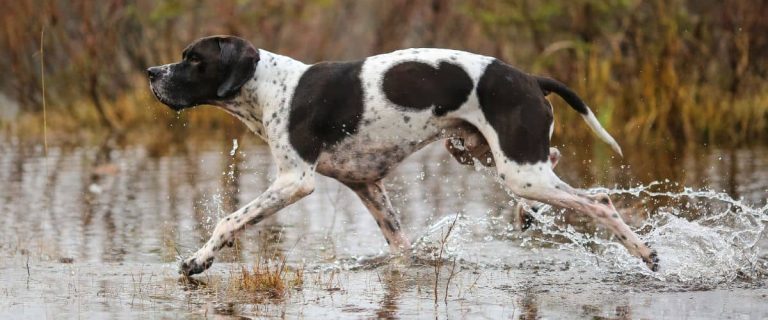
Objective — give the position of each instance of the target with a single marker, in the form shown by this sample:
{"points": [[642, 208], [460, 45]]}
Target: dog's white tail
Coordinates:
{"points": [[551, 85], [600, 131]]}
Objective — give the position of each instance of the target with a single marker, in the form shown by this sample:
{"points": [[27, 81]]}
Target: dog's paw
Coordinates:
{"points": [[191, 266], [526, 220], [652, 260]]}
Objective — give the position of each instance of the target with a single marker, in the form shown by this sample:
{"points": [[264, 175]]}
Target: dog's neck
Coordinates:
{"points": [[268, 91]]}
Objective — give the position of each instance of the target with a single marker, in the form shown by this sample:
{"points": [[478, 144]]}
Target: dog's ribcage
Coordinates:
{"points": [[388, 132]]}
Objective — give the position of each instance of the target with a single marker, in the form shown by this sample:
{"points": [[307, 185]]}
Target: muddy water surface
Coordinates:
{"points": [[97, 231]]}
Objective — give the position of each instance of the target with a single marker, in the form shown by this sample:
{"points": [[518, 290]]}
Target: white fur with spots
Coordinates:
{"points": [[385, 136]]}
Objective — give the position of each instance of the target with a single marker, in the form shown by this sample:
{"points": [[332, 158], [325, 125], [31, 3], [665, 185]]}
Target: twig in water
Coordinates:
{"points": [[447, 283], [28, 274], [178, 253], [42, 81], [438, 263], [45, 114]]}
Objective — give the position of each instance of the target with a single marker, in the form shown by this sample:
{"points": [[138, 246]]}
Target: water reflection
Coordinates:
{"points": [[394, 284], [118, 206]]}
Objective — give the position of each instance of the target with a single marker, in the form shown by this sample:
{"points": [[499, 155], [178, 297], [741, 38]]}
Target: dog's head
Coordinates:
{"points": [[212, 70]]}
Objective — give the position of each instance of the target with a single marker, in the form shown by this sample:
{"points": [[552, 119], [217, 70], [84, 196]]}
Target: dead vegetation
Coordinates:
{"points": [[265, 280], [439, 262], [675, 72]]}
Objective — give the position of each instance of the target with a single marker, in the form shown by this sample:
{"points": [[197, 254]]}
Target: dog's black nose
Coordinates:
{"points": [[153, 72]]}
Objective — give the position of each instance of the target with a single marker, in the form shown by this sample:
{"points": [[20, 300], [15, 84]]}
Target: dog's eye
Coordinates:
{"points": [[193, 59]]}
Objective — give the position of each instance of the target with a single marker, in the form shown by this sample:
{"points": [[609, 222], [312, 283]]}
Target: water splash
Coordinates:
{"points": [[703, 237], [214, 206], [448, 233], [234, 148]]}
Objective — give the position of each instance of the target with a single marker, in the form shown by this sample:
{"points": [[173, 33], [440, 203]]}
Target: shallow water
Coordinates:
{"points": [[96, 232]]}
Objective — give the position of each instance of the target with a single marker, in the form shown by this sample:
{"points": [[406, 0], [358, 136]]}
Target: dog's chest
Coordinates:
{"points": [[250, 116]]}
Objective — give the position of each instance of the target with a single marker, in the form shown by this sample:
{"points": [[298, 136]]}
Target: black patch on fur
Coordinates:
{"points": [[327, 107], [418, 86], [514, 105], [256, 220], [391, 226]]}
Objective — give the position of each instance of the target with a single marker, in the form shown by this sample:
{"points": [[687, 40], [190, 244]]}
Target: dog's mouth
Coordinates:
{"points": [[161, 98], [154, 91]]}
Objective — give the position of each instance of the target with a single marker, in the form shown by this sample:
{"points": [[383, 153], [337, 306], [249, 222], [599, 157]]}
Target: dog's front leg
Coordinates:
{"points": [[287, 189]]}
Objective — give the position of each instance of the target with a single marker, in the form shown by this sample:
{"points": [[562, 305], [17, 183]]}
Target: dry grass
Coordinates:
{"points": [[657, 71], [262, 280], [267, 279], [143, 120]]}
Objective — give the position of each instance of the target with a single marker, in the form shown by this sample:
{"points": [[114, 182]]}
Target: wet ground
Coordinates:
{"points": [[96, 232]]}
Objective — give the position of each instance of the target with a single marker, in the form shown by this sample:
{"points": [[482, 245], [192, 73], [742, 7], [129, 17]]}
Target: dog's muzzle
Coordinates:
{"points": [[158, 85]]}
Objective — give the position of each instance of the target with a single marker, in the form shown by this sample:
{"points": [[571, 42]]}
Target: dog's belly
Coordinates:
{"points": [[372, 153], [363, 159], [360, 163]]}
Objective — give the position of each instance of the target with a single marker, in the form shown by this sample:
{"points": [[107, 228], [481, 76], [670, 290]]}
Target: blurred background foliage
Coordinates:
{"points": [[655, 71]]}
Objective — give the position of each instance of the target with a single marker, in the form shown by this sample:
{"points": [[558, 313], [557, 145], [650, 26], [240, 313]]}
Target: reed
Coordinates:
{"points": [[264, 280], [660, 72]]}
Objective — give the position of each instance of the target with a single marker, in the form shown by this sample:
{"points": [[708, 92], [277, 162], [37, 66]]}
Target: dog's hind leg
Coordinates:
{"points": [[523, 217], [535, 180], [289, 187], [539, 183], [375, 198]]}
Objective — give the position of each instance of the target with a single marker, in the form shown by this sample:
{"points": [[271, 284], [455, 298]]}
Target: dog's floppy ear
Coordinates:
{"points": [[238, 59]]}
